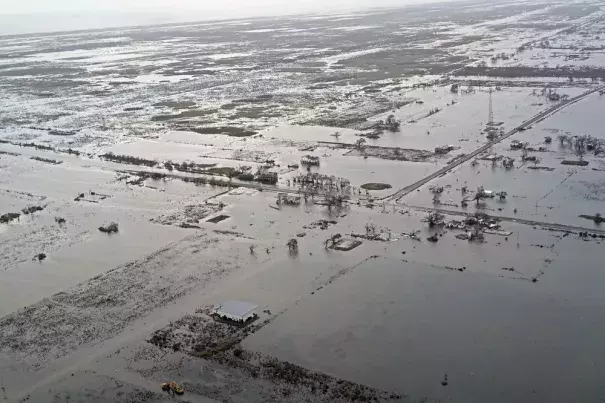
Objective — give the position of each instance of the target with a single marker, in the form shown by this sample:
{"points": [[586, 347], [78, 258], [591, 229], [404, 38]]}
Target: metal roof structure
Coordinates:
{"points": [[235, 308]]}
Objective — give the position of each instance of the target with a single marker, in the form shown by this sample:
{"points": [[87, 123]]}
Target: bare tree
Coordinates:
{"points": [[333, 240], [435, 219], [392, 124], [359, 144], [370, 229], [480, 194]]}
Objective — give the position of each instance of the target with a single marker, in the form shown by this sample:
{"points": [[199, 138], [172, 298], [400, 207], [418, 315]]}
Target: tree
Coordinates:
{"points": [[370, 229], [392, 124], [562, 139], [480, 194], [359, 144], [292, 245], [333, 240], [434, 219]]}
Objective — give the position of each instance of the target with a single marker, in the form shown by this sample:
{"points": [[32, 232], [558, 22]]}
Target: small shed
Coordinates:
{"points": [[236, 311]]}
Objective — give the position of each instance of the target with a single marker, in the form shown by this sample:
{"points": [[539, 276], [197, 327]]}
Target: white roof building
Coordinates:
{"points": [[237, 311]]}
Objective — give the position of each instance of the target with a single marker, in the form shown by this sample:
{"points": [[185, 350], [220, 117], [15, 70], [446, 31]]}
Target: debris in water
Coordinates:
{"points": [[321, 224], [172, 387], [346, 245], [110, 228], [218, 219], [580, 163], [309, 160]]}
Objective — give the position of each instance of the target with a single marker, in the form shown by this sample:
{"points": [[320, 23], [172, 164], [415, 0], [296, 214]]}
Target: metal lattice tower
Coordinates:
{"points": [[490, 119]]}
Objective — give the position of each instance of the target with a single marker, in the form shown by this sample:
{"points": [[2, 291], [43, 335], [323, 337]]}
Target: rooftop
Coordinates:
{"points": [[235, 308]]}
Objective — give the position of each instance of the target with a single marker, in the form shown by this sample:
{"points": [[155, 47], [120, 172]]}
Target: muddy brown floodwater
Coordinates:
{"points": [[341, 171]]}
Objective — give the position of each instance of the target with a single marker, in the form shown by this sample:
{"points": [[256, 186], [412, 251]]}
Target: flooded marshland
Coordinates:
{"points": [[413, 198]]}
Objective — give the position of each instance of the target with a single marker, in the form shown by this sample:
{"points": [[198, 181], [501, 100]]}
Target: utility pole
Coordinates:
{"points": [[490, 119]]}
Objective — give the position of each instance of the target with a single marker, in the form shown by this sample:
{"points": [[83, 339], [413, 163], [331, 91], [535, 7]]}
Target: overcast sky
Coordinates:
{"points": [[211, 6], [25, 16]]}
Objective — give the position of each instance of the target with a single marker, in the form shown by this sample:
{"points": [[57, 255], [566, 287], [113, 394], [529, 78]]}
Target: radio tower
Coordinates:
{"points": [[490, 119]]}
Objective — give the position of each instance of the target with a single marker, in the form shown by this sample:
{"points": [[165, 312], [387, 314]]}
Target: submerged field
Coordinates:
{"points": [[442, 253]]}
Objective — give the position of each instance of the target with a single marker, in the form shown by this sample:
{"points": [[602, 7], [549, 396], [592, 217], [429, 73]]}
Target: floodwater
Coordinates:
{"points": [[516, 318]]}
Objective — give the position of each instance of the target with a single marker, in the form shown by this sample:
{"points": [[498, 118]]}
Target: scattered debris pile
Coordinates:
{"points": [[337, 242], [518, 145], [309, 160], [321, 224], [436, 189], [474, 226], [284, 198], [374, 234], [172, 387], [481, 194], [433, 238], [92, 197], [265, 176], [190, 216], [508, 162]]}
